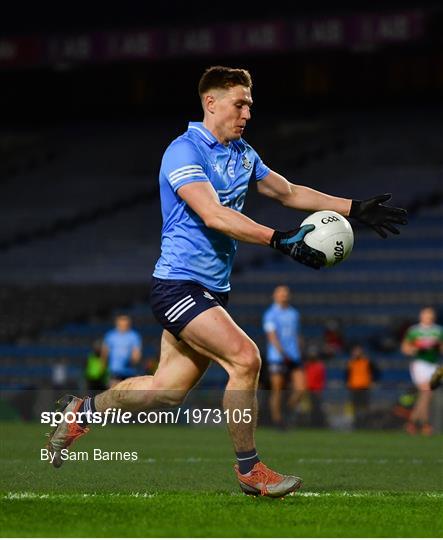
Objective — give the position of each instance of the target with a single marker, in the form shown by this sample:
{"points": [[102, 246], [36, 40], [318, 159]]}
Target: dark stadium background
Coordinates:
{"points": [[352, 106]]}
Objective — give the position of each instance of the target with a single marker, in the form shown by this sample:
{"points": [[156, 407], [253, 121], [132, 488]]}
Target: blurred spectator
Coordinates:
{"points": [[281, 325], [59, 374], [424, 343], [334, 341], [361, 373], [96, 373], [122, 348], [315, 371]]}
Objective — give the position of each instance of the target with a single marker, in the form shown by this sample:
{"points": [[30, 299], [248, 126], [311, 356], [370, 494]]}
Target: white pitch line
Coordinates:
{"points": [[361, 494], [27, 495], [356, 461]]}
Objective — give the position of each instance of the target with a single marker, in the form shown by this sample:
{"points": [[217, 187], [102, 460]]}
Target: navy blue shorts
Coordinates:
{"points": [[175, 302], [283, 367]]}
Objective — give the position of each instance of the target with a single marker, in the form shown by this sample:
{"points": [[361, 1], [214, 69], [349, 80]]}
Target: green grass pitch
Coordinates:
{"points": [[367, 484]]}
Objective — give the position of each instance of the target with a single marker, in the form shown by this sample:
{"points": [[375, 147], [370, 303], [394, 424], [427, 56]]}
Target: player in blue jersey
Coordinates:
{"points": [[204, 176], [281, 324], [122, 349]]}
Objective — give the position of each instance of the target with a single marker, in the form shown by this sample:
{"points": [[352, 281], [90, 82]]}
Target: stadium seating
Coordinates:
{"points": [[366, 299], [92, 212], [60, 289]]}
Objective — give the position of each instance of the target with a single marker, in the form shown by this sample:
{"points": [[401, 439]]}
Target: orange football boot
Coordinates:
{"points": [[263, 481], [64, 434]]}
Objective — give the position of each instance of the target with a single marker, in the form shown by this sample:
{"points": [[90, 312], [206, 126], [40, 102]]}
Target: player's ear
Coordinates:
{"points": [[209, 103]]}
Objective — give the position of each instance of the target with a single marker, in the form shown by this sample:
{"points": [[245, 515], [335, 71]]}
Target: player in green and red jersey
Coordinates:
{"points": [[423, 342]]}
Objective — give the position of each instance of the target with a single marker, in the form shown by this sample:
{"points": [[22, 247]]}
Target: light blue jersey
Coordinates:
{"points": [[189, 249], [120, 346], [285, 322]]}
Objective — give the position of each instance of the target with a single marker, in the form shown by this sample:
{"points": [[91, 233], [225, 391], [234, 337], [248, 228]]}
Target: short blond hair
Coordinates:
{"points": [[223, 77]]}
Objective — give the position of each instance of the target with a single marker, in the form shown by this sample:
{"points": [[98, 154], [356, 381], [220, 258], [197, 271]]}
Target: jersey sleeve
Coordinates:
{"points": [[260, 169], [182, 164], [268, 321], [411, 334], [136, 340]]}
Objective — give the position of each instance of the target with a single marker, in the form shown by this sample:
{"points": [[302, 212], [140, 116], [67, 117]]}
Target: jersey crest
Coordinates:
{"points": [[246, 163]]}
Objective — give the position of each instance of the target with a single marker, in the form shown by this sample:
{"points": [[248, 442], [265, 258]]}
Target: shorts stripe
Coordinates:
{"points": [[181, 306], [182, 311], [177, 304]]}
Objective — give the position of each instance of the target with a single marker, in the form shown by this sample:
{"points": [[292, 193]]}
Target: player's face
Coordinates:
{"points": [[123, 324], [357, 352], [232, 111], [282, 296], [427, 316]]}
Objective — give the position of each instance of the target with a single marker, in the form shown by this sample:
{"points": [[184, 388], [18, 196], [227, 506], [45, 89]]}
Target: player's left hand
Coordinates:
{"points": [[379, 216]]}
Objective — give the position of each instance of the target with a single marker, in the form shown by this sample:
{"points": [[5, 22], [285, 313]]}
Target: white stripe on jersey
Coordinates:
{"points": [[181, 177], [178, 171], [175, 305], [186, 174], [182, 311]]}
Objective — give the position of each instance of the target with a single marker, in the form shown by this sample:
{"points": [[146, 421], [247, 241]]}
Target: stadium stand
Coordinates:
{"points": [[92, 226], [96, 206]]}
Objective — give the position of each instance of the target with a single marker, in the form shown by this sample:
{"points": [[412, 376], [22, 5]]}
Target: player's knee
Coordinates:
{"points": [[247, 362]]}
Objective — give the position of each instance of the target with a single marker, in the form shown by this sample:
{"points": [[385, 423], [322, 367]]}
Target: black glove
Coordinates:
{"points": [[377, 215], [291, 243]]}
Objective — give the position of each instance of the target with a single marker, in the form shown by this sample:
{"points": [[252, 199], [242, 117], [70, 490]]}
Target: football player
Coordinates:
{"points": [[204, 177], [424, 343]]}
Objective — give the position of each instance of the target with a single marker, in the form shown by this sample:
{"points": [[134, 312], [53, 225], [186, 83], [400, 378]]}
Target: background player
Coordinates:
{"points": [[281, 323], [204, 177], [122, 349], [423, 342]]}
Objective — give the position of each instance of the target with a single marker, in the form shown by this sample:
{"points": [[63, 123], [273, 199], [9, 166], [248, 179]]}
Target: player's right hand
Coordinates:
{"points": [[291, 243]]}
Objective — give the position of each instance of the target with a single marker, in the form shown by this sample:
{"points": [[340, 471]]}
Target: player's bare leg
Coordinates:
{"points": [[211, 335], [215, 335], [275, 399], [437, 378], [179, 370], [420, 411], [298, 387]]}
